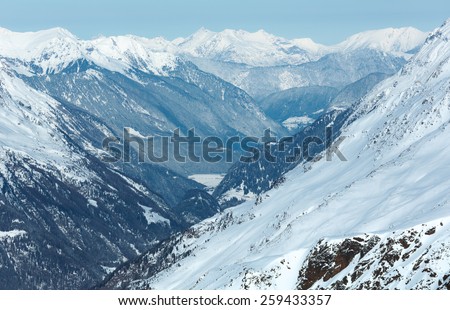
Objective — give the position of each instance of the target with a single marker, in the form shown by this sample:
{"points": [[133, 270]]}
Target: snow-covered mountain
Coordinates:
{"points": [[262, 64], [333, 70], [298, 107], [238, 46], [53, 50], [66, 217], [389, 40], [261, 49], [354, 92], [133, 82], [380, 219], [238, 57], [245, 181], [59, 98]]}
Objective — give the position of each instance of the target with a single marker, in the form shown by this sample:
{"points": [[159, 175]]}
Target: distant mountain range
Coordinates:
{"points": [[261, 63], [261, 49]]}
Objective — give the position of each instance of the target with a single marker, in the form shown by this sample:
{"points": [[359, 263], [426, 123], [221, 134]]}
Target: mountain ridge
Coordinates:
{"points": [[394, 40]]}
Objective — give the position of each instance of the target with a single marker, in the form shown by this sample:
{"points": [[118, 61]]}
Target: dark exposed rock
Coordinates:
{"points": [[327, 260], [380, 260]]}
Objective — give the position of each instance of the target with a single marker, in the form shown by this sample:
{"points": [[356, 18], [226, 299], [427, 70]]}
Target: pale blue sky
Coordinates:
{"points": [[325, 21]]}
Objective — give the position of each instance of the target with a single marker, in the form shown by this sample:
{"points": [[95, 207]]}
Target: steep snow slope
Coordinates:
{"points": [[21, 123], [66, 218], [381, 219]]}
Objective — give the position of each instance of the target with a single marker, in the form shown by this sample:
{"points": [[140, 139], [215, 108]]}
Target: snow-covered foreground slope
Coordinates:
{"points": [[381, 219], [22, 125]]}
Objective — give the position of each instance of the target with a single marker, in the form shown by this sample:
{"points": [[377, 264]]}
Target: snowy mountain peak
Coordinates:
{"points": [[264, 49], [309, 45], [239, 46], [54, 49], [201, 31], [31, 43], [257, 36], [230, 35], [120, 53], [394, 40], [57, 32], [51, 32]]}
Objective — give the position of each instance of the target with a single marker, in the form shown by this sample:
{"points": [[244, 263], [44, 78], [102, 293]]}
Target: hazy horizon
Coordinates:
{"points": [[325, 22], [218, 31]]}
